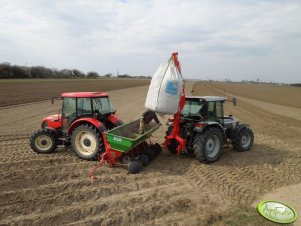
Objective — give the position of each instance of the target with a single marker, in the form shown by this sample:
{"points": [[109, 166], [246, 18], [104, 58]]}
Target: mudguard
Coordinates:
{"points": [[92, 121], [114, 120], [238, 129], [201, 129]]}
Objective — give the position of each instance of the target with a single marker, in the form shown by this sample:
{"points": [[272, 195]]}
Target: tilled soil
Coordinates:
{"points": [[173, 190]]}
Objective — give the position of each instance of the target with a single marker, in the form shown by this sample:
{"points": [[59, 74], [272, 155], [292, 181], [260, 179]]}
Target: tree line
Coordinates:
{"points": [[8, 71]]}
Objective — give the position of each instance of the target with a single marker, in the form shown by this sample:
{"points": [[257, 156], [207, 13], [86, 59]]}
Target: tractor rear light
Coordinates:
{"points": [[199, 125]]}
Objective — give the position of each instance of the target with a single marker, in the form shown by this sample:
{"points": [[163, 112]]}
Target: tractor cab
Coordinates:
{"points": [[204, 108], [85, 104]]}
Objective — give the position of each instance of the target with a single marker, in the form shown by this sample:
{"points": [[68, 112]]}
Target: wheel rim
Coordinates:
{"points": [[43, 142], [212, 146], [245, 140], [85, 143]]}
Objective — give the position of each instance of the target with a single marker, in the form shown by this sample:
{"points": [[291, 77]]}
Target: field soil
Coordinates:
{"points": [[54, 189], [20, 91]]}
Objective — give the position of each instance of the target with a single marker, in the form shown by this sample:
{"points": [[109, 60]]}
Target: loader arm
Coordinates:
{"points": [[175, 133]]}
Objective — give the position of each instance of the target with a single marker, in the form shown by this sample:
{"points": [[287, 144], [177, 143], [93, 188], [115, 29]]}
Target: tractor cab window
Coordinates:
{"points": [[215, 111], [102, 105], [83, 106], [69, 108], [194, 108]]}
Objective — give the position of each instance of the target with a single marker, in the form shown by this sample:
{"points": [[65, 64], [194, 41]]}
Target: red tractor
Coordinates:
{"points": [[80, 122]]}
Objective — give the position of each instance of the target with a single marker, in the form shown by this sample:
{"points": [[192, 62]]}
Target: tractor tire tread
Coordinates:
{"points": [[199, 144], [43, 131], [236, 140], [100, 149]]}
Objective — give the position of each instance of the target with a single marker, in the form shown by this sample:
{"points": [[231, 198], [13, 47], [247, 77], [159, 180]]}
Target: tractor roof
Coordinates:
{"points": [[208, 98], [85, 94]]}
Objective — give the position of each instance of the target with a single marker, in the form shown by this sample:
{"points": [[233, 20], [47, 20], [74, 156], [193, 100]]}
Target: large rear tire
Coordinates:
{"points": [[208, 145], [244, 140], [87, 142], [43, 141]]}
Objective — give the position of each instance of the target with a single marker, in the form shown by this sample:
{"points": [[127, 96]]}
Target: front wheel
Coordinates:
{"points": [[87, 142], [208, 145], [243, 140], [43, 141]]}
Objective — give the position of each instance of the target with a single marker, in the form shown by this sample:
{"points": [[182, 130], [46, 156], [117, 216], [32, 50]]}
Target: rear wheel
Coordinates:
{"points": [[43, 141], [86, 142], [208, 145], [243, 140]]}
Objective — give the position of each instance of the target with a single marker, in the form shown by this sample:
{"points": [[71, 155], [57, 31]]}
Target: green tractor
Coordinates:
{"points": [[202, 129]]}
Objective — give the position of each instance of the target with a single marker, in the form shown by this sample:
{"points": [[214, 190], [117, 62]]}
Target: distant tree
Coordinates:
{"points": [[92, 74], [296, 84], [77, 73], [6, 71], [109, 75], [40, 72], [124, 76], [20, 72]]}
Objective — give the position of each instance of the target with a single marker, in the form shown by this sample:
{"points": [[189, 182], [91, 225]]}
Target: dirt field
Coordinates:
{"points": [[54, 189], [18, 91]]}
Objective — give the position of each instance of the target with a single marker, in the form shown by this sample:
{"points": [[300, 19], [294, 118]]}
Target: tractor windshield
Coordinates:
{"points": [[102, 105], [193, 107]]}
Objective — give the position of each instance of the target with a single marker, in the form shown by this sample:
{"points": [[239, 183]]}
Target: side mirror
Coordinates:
{"points": [[57, 98], [234, 100]]}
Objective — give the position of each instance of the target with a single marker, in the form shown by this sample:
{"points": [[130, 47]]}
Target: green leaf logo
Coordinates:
{"points": [[278, 212]]}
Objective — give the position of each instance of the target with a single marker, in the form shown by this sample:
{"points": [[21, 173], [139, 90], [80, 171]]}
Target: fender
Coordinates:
{"points": [[114, 120], [238, 129], [206, 125], [92, 121]]}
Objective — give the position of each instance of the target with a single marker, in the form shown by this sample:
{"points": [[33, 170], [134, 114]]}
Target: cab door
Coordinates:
{"points": [[68, 113], [216, 112]]}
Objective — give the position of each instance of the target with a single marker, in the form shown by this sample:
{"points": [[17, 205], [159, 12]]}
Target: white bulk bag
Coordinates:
{"points": [[165, 90]]}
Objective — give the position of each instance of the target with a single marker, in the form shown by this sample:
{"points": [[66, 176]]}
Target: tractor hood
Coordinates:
{"points": [[52, 118], [53, 122]]}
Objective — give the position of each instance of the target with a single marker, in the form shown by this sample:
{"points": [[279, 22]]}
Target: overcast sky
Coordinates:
{"points": [[216, 39]]}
